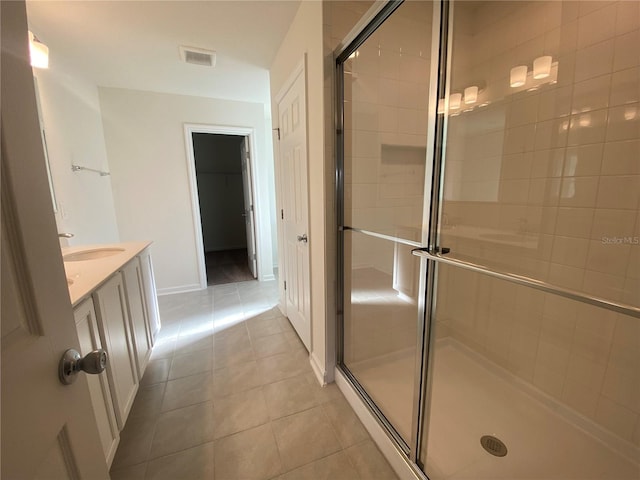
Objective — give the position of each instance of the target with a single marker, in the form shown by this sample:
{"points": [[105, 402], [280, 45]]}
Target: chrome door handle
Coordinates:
{"points": [[71, 363], [303, 238]]}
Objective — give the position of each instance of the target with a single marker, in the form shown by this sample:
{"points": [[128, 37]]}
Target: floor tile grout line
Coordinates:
{"points": [[342, 450], [275, 440], [170, 358], [153, 459], [155, 424], [118, 469], [186, 406], [149, 458]]}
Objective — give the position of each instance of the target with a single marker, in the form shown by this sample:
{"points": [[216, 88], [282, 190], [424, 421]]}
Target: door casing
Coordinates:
{"points": [[249, 133]]}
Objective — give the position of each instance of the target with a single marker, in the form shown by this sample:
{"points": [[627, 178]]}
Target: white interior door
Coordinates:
{"points": [[48, 430], [248, 207], [295, 212]]}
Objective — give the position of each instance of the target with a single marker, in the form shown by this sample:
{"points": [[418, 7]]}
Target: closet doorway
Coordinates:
{"points": [[222, 188]]}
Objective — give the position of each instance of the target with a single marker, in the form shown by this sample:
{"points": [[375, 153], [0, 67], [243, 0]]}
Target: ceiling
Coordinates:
{"points": [[134, 44]]}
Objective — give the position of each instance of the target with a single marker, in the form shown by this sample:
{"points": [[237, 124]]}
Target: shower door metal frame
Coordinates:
{"points": [[434, 253], [431, 255], [432, 241], [378, 14], [372, 20]]}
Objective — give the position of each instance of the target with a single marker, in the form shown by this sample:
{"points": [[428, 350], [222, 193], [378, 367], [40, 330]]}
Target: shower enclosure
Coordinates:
{"points": [[488, 187]]}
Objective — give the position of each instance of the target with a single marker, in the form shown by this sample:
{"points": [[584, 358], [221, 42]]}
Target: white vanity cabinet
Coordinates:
{"points": [[150, 296], [113, 323], [116, 309], [137, 310], [87, 327]]}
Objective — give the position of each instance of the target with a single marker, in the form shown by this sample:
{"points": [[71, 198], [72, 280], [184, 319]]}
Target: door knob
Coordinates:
{"points": [[72, 362], [303, 238]]}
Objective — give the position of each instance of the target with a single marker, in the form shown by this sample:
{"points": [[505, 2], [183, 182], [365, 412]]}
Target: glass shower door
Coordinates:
{"points": [[534, 324], [386, 92]]}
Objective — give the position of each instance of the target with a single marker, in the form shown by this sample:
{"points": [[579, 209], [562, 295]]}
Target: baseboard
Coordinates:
{"points": [[181, 289], [267, 278], [318, 370], [282, 307], [394, 456]]}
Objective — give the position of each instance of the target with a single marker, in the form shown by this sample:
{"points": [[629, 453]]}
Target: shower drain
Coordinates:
{"points": [[493, 445]]}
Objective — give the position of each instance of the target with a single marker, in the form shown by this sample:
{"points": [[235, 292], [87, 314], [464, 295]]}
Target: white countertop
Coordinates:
{"points": [[87, 275]]}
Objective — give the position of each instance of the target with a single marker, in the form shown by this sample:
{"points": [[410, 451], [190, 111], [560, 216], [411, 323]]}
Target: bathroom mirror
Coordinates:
{"points": [[44, 146]]}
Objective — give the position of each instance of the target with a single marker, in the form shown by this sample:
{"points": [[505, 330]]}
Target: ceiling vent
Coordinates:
{"points": [[198, 56]]}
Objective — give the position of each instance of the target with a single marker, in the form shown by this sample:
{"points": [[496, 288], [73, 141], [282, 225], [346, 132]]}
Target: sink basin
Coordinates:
{"points": [[91, 254]]}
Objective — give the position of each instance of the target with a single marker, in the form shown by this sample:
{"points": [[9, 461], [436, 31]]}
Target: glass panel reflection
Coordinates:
{"points": [[541, 164], [556, 380], [385, 121], [380, 318]]}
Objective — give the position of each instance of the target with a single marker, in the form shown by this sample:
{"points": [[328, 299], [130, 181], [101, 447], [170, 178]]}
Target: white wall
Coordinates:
{"points": [[144, 133], [73, 126], [305, 36]]}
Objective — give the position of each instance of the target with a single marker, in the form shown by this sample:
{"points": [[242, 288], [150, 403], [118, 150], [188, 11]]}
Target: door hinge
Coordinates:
{"points": [[254, 256], [281, 214], [278, 131], [285, 284]]}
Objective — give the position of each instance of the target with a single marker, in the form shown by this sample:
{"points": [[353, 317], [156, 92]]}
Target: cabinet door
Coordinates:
{"points": [[150, 296], [113, 323], [87, 327], [138, 322]]}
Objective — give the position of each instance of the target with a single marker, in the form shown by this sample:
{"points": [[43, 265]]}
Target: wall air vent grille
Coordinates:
{"points": [[198, 56]]}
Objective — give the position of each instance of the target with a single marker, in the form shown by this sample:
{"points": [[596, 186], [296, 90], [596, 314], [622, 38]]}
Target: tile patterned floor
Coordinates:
{"points": [[229, 395]]}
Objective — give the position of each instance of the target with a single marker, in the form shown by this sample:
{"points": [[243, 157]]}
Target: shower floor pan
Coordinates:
{"points": [[472, 398]]}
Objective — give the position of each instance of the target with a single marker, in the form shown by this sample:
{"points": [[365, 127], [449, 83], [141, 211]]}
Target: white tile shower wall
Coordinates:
{"points": [[338, 18], [558, 169], [386, 95], [380, 196]]}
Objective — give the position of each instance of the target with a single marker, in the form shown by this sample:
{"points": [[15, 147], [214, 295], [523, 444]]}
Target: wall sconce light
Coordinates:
{"points": [[630, 113], [455, 99], [542, 67], [471, 95], [38, 52], [585, 121], [518, 76]]}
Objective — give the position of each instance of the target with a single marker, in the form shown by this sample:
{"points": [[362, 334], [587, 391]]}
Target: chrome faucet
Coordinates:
{"points": [[65, 235]]}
